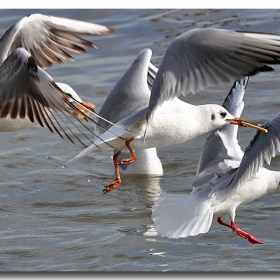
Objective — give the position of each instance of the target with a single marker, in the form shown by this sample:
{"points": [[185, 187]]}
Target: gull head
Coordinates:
{"points": [[219, 116], [84, 109]]}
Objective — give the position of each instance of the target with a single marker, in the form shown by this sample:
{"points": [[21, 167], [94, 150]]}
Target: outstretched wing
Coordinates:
{"points": [[130, 94], [28, 92], [262, 148], [205, 57], [49, 38]]}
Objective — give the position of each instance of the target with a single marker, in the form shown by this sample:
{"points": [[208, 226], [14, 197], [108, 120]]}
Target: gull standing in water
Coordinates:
{"points": [[239, 178], [28, 94], [194, 60]]}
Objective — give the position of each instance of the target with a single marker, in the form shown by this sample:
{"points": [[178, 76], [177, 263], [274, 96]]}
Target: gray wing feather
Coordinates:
{"points": [[129, 95], [25, 89], [221, 152], [205, 57], [28, 92], [47, 38], [262, 148]]}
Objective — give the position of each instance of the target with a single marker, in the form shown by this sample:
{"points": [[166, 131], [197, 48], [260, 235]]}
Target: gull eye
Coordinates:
{"points": [[223, 114]]}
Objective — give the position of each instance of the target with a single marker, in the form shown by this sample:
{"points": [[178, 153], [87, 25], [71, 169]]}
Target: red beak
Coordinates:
{"points": [[241, 122]]}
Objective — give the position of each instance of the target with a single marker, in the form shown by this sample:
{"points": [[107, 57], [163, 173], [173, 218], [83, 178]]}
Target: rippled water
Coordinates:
{"points": [[54, 216]]}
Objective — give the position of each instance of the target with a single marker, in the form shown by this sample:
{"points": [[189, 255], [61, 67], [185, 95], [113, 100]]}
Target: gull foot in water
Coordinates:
{"points": [[240, 232]]}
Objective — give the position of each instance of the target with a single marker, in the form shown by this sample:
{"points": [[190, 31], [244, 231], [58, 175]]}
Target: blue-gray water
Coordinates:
{"points": [[54, 216]]}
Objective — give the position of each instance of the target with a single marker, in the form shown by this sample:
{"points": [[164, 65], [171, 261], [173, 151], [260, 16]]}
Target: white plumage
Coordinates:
{"points": [[194, 60], [181, 215], [175, 122]]}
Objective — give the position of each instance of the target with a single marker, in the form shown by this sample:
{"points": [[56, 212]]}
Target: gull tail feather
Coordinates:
{"points": [[177, 215], [149, 117], [104, 141]]}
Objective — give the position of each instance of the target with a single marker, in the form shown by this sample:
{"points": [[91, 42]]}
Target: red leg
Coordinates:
{"points": [[240, 232], [248, 236], [132, 157], [111, 186]]}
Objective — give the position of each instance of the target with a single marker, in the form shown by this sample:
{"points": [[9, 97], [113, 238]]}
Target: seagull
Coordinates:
{"points": [[176, 121], [122, 100], [28, 94], [226, 178]]}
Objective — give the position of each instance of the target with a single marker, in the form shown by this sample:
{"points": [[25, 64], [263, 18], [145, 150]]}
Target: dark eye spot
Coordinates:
{"points": [[223, 114], [213, 117]]}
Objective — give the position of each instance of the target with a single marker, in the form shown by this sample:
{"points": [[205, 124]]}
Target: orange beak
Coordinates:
{"points": [[241, 122], [90, 106]]}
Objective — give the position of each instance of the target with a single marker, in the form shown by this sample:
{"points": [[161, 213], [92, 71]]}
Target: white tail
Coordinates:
{"points": [[177, 215]]}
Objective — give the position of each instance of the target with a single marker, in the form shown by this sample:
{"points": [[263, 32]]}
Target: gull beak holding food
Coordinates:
{"points": [[241, 122]]}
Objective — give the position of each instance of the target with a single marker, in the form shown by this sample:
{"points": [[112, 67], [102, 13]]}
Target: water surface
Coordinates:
{"points": [[54, 216]]}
